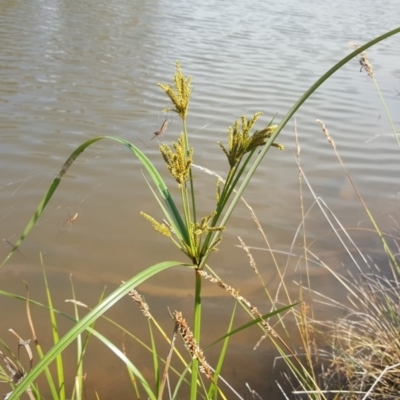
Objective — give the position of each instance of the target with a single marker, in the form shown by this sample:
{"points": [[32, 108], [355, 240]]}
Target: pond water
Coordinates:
{"points": [[72, 70]]}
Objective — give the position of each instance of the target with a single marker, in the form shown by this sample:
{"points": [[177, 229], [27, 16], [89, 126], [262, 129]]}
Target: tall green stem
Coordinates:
{"points": [[196, 334], [229, 186], [186, 136]]}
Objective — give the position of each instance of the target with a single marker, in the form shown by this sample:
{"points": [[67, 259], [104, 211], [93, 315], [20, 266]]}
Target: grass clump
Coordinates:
{"points": [[366, 342], [362, 361]]}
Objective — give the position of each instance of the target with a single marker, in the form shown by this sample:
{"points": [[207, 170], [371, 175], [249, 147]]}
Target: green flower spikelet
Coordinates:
{"points": [[181, 95], [178, 163], [161, 228], [241, 142], [196, 231]]}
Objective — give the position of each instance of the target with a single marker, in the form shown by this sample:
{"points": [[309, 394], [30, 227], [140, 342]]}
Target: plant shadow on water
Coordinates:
{"points": [[178, 363]]}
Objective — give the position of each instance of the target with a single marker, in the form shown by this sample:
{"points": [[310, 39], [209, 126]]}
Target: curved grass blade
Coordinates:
{"points": [[126, 361], [285, 120], [87, 320], [54, 329], [294, 108], [22, 298], [123, 357], [212, 390], [162, 187]]}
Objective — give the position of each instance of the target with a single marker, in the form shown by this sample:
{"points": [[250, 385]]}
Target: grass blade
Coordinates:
{"points": [[285, 120], [251, 323], [56, 337], [85, 322], [162, 187]]}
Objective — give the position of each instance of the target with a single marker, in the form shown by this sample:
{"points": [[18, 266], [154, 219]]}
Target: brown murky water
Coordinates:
{"points": [[72, 70]]}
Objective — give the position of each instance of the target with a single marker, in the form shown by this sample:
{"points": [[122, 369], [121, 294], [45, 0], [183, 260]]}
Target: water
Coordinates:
{"points": [[73, 70]]}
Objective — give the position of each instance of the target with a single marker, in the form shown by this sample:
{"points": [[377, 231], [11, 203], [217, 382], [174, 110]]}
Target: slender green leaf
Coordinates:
{"points": [[126, 361], [285, 120], [196, 334], [22, 298], [60, 370], [78, 387], [156, 366], [212, 391], [157, 179], [253, 322], [85, 322]]}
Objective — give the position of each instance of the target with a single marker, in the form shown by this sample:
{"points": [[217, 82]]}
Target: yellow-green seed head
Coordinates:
{"points": [[180, 96], [241, 142], [161, 228], [178, 163]]}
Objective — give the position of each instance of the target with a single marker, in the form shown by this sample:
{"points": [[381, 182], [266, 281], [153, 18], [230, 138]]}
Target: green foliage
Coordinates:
{"points": [[85, 324]]}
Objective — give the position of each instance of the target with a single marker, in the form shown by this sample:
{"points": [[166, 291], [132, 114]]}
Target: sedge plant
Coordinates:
{"points": [[197, 237]]}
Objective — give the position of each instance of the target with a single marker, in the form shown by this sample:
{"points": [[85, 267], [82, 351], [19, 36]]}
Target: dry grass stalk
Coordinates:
{"points": [[249, 255], [234, 293], [254, 267], [191, 344], [17, 373], [130, 373], [370, 216], [367, 345], [167, 364], [326, 133], [253, 393]]}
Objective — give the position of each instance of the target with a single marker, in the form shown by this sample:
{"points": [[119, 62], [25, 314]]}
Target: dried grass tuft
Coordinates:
{"points": [[367, 341]]}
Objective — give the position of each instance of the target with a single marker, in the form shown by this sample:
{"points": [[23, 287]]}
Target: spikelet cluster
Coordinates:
{"points": [[202, 228], [191, 344], [218, 191], [196, 231], [180, 96], [240, 141], [249, 255], [142, 304], [178, 163], [234, 293], [326, 132], [161, 228]]}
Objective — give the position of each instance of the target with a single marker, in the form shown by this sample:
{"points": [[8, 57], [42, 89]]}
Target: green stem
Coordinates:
{"points": [[196, 334], [232, 185], [186, 136], [185, 207], [229, 187]]}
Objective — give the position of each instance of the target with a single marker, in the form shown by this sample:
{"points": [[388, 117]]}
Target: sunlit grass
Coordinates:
{"points": [[362, 361]]}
